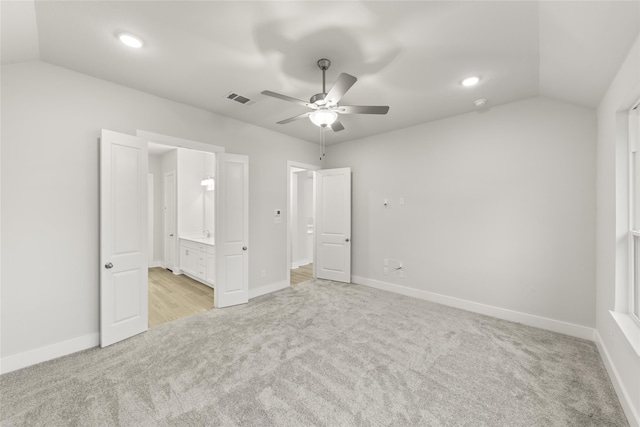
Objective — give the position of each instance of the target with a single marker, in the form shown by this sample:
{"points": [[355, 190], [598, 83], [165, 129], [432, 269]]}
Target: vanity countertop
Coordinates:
{"points": [[199, 239]]}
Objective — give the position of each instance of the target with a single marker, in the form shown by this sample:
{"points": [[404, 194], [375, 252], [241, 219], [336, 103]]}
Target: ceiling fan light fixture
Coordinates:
{"points": [[323, 117]]}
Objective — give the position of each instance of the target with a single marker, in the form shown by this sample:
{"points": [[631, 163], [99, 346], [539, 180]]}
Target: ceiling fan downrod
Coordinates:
{"points": [[324, 65]]}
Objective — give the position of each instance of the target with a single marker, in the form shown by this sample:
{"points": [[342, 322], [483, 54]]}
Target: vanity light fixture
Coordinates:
{"points": [[207, 182], [130, 40], [470, 81]]}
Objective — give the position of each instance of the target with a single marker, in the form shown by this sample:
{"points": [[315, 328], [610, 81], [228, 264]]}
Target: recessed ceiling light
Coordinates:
{"points": [[470, 81], [130, 40]]}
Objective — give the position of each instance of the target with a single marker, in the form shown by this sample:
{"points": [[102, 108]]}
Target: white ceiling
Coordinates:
{"points": [[408, 55]]}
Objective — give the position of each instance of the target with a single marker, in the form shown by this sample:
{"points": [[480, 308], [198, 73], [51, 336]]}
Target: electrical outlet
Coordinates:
{"points": [[385, 270], [263, 273], [402, 200]]}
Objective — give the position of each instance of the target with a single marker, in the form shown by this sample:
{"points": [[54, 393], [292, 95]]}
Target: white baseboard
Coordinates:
{"points": [[267, 289], [300, 263], [489, 310], [154, 264], [53, 351], [623, 396]]}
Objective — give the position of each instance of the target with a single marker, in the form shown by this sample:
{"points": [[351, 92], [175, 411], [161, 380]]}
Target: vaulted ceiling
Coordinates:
{"points": [[409, 55]]}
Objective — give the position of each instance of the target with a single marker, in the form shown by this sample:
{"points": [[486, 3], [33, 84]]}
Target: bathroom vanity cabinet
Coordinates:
{"points": [[198, 259]]}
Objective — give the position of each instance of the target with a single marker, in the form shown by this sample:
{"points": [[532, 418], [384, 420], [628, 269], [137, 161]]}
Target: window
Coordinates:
{"points": [[634, 217]]}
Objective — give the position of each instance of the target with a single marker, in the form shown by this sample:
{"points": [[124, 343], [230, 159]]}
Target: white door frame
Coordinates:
{"points": [[290, 165], [172, 141]]}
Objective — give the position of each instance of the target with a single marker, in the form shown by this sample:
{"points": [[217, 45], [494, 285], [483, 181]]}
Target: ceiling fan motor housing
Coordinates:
{"points": [[318, 99], [324, 64]]}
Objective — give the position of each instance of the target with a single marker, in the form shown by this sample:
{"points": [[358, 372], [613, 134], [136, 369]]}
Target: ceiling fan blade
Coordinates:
{"points": [[362, 109], [339, 88], [337, 126], [286, 98], [294, 118]]}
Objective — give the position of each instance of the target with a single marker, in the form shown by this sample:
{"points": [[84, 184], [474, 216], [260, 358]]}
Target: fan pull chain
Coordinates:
{"points": [[321, 142]]}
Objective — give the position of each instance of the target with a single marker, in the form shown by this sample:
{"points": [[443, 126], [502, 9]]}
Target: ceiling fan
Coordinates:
{"points": [[324, 105]]}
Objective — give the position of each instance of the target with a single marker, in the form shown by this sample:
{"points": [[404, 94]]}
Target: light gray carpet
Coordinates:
{"points": [[328, 354]]}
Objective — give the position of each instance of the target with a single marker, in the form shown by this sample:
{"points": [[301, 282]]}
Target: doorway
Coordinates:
{"points": [[124, 247], [182, 213], [301, 223]]}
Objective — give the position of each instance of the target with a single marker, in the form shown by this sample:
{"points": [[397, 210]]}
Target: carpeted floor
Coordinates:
{"points": [[328, 354]]}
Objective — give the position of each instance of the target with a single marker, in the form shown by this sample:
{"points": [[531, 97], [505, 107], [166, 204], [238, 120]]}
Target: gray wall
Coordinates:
{"points": [[499, 208], [621, 359], [155, 168], [51, 119]]}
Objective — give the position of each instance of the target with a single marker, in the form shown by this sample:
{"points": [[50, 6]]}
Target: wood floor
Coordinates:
{"points": [[173, 296], [302, 274]]}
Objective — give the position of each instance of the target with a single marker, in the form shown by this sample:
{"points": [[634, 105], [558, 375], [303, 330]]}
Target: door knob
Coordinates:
{"points": [[244, 248], [108, 265], [170, 235], [346, 240]]}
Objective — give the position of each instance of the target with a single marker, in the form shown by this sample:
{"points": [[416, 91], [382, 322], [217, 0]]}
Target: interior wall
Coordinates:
{"points": [[612, 277], [294, 218], [51, 120], [499, 208], [209, 194], [170, 164], [305, 213], [301, 217], [155, 168], [190, 193]]}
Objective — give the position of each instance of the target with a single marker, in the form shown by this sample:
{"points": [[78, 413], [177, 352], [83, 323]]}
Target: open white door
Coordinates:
{"points": [[333, 224], [123, 237], [232, 230]]}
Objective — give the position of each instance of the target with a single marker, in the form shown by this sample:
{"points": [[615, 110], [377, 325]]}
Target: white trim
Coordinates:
{"points": [[300, 264], [179, 142], [489, 310], [629, 329], [53, 351], [632, 176], [623, 396], [267, 289]]}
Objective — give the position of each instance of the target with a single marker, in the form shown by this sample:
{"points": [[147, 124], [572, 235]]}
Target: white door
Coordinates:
{"points": [[170, 220], [123, 237], [232, 230], [333, 224]]}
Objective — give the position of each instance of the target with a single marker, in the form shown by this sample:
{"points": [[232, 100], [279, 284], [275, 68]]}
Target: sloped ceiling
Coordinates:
{"points": [[408, 55]]}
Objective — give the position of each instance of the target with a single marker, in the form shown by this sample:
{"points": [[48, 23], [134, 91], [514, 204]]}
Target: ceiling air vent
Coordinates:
{"points": [[239, 98]]}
